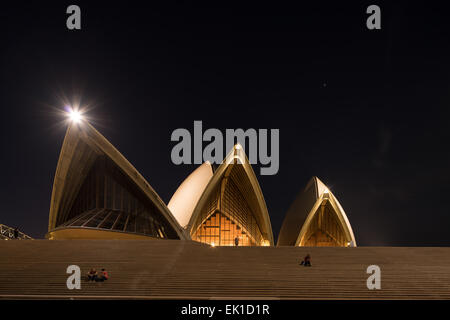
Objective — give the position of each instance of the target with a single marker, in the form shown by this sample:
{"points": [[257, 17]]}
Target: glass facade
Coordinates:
{"points": [[7, 233], [325, 229], [228, 218], [109, 200]]}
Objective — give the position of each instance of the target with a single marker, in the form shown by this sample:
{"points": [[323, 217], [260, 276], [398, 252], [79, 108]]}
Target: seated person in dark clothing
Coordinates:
{"points": [[306, 261], [92, 275]]}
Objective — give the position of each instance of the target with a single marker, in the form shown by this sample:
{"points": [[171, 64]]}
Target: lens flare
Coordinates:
{"points": [[75, 115]]}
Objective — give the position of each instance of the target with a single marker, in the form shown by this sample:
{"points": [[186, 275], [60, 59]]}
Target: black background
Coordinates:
{"points": [[353, 309], [364, 110]]}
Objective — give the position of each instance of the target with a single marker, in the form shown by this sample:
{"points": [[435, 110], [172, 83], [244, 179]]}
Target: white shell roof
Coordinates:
{"points": [[185, 198]]}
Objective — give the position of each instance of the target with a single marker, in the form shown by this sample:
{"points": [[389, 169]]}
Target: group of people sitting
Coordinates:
{"points": [[101, 276]]}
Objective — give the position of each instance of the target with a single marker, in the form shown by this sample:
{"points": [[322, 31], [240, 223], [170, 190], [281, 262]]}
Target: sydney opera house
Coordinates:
{"points": [[213, 239], [98, 194]]}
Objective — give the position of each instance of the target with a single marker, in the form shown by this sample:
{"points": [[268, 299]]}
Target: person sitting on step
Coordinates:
{"points": [[103, 276], [92, 275], [306, 261]]}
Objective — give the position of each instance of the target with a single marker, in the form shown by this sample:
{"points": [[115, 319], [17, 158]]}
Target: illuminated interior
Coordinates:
{"points": [[316, 219], [229, 216], [324, 229]]}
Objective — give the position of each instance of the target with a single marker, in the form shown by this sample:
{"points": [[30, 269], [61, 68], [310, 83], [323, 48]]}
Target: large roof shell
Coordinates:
{"points": [[254, 193], [82, 145], [185, 198], [303, 209]]}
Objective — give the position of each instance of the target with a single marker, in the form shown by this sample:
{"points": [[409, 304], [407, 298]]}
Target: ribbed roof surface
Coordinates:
{"points": [[82, 146], [297, 214], [301, 208]]}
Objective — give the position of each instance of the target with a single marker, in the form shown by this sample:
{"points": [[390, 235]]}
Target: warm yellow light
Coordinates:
{"points": [[326, 190], [265, 243], [213, 244]]}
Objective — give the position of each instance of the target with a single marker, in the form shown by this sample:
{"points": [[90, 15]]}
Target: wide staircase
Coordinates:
{"points": [[173, 269]]}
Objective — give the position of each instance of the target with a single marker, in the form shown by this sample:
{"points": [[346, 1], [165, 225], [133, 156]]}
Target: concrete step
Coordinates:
{"points": [[186, 269]]}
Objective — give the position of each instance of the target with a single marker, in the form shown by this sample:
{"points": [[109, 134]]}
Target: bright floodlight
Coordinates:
{"points": [[75, 116]]}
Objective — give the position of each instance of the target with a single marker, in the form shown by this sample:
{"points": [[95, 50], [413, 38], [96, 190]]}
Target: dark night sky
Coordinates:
{"points": [[365, 111]]}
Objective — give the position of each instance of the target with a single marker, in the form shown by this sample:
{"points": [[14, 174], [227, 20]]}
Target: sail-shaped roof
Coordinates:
{"points": [[185, 198], [233, 198], [316, 218], [95, 182]]}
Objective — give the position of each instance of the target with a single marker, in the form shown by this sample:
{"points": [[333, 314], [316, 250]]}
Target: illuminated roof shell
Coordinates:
{"points": [[303, 209], [236, 156], [73, 167], [185, 198]]}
